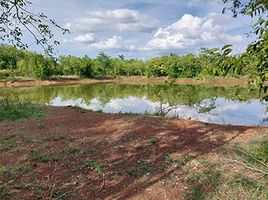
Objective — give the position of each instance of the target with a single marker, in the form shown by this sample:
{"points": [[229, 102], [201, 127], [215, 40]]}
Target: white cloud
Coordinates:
{"points": [[114, 42], [86, 38], [190, 31], [119, 19]]}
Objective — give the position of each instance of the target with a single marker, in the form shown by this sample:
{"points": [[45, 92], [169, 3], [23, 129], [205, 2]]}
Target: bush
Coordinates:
{"points": [[4, 73], [11, 108]]}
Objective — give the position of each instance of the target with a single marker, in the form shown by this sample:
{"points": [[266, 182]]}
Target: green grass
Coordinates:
{"points": [[178, 161], [19, 170], [200, 182], [154, 141], [72, 150], [36, 155], [8, 143], [93, 165], [21, 111], [142, 168]]}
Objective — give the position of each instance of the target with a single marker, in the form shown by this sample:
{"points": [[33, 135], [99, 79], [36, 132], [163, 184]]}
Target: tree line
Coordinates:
{"points": [[215, 62]]}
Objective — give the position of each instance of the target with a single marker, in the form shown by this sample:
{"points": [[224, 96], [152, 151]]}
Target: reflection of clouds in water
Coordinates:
{"points": [[226, 112], [129, 104]]}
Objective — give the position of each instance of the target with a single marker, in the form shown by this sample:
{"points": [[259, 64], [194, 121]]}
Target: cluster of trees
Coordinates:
{"points": [[208, 63]]}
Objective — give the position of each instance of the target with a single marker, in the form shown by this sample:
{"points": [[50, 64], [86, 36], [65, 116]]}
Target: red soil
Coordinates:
{"points": [[118, 143]]}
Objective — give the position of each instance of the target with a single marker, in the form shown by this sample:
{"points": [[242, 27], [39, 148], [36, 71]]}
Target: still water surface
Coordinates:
{"points": [[222, 105]]}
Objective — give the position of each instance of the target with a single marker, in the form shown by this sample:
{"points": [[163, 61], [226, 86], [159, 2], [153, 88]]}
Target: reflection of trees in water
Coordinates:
{"points": [[170, 95], [206, 106]]}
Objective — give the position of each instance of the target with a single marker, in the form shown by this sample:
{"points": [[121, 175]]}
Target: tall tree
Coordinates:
{"points": [[16, 20]]}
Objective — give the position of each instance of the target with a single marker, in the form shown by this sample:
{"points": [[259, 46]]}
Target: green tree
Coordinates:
{"points": [[259, 48], [16, 17]]}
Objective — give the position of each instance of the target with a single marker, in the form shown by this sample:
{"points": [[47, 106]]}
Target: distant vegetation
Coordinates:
{"points": [[216, 62]]}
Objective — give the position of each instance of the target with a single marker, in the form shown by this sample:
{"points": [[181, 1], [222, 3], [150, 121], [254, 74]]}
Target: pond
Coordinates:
{"points": [[206, 103]]}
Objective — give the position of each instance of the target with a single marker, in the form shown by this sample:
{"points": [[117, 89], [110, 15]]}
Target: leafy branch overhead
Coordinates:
{"points": [[258, 50], [16, 20]]}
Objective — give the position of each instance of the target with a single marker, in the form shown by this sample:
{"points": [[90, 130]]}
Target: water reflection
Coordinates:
{"points": [[223, 105]]}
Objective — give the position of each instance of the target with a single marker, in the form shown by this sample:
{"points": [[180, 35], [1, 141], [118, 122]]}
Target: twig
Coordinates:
{"points": [[103, 182], [248, 155], [248, 167]]}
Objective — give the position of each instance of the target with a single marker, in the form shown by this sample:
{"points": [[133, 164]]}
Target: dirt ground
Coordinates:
{"points": [[76, 154], [129, 80]]}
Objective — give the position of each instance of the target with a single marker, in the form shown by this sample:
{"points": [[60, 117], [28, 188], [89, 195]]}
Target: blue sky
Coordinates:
{"points": [[143, 29]]}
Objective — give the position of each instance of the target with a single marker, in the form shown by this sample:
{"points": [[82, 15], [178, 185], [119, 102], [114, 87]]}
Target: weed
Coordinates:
{"points": [[202, 183], [90, 150], [142, 168], [2, 169], [154, 141], [57, 194], [260, 150], [45, 158], [78, 109], [55, 138], [5, 192], [93, 165], [41, 126], [17, 171], [72, 150], [242, 180], [178, 161], [8, 143]]}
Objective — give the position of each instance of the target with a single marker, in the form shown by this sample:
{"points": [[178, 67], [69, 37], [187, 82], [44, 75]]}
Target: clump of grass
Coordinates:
{"points": [[58, 194], [93, 165], [2, 169], [45, 158], [41, 126], [201, 184], [17, 171], [154, 141], [260, 150], [178, 161], [142, 168], [78, 109], [244, 181], [8, 143], [11, 108], [72, 150], [55, 138]]}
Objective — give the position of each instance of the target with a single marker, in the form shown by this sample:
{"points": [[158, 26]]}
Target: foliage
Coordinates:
{"points": [[16, 19], [11, 108], [259, 48]]}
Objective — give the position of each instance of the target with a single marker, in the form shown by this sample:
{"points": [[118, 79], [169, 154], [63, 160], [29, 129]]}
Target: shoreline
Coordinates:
{"points": [[130, 80]]}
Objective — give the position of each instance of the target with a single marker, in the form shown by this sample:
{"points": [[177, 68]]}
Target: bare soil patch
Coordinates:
{"points": [[76, 154]]}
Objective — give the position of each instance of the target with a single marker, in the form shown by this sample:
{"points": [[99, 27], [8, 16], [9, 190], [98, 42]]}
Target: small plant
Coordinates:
{"points": [[72, 150], [154, 141], [93, 165], [202, 183], [178, 161], [8, 143], [45, 158], [41, 126], [142, 168], [2, 169], [78, 109], [55, 138], [17, 171]]}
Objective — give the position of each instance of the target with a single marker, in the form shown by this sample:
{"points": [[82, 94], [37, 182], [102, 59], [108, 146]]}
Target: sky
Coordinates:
{"points": [[143, 28]]}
